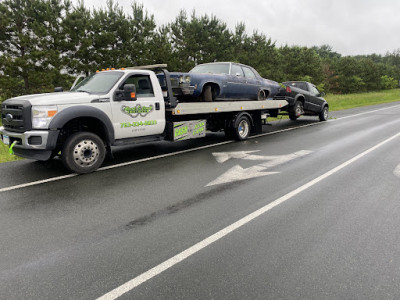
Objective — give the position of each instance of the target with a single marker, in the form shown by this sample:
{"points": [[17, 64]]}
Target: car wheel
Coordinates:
{"points": [[296, 110], [261, 95], [83, 152], [207, 94], [323, 115], [242, 128]]}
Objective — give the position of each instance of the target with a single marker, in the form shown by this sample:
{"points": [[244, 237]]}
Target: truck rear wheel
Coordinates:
{"points": [[83, 152], [242, 128]]}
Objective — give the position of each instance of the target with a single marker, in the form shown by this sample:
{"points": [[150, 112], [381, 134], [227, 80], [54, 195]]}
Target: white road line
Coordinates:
{"points": [[396, 171], [33, 183], [24, 185], [19, 186], [319, 123], [130, 285], [367, 112]]}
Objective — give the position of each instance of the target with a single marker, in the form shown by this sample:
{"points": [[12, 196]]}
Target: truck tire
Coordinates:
{"points": [[83, 152], [242, 128], [323, 115], [207, 94], [296, 110]]}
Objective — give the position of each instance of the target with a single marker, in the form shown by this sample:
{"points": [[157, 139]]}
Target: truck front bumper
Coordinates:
{"points": [[35, 144]]}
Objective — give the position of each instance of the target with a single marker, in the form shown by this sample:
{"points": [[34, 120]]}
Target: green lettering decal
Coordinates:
{"points": [[181, 131], [137, 110], [138, 124]]}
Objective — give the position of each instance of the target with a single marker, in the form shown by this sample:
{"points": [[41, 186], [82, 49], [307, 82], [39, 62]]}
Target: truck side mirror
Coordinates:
{"points": [[322, 94], [127, 94]]}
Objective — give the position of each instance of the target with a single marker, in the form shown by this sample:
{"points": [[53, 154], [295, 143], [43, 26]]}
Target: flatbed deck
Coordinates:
{"points": [[193, 108]]}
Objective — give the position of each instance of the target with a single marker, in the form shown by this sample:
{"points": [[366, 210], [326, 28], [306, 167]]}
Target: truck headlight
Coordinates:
{"points": [[42, 115]]}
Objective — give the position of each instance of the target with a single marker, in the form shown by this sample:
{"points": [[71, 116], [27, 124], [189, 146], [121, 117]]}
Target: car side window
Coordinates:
{"points": [[143, 85], [303, 86], [237, 70], [248, 73], [314, 91]]}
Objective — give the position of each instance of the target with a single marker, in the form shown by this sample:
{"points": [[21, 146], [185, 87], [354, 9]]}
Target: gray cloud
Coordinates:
{"points": [[351, 27]]}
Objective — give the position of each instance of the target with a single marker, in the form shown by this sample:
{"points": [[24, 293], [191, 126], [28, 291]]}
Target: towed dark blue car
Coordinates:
{"points": [[222, 81]]}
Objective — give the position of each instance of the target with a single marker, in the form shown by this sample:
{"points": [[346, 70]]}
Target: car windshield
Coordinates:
{"points": [[211, 68], [98, 83]]}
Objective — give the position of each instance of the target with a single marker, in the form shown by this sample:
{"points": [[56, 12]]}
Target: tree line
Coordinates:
{"points": [[45, 43]]}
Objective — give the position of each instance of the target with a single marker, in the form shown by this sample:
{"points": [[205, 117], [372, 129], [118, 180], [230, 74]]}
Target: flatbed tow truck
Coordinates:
{"points": [[119, 107]]}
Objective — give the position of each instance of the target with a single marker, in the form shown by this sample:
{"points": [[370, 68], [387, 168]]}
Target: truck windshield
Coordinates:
{"points": [[98, 83], [211, 68]]}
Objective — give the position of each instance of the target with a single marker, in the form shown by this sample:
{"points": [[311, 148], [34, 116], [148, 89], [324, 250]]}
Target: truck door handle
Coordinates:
{"points": [[157, 106]]}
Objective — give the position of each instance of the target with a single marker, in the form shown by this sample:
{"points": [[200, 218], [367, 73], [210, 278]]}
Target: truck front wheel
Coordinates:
{"points": [[83, 152]]}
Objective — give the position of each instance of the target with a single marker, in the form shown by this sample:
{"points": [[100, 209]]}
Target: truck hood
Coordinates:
{"points": [[60, 98]]}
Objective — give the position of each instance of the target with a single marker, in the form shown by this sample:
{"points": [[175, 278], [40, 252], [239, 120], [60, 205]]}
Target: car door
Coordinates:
{"points": [[315, 101], [305, 90], [143, 116], [252, 84], [236, 83]]}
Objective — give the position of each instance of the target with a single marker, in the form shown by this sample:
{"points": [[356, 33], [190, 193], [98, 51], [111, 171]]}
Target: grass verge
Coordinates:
{"points": [[5, 156], [336, 102], [340, 102]]}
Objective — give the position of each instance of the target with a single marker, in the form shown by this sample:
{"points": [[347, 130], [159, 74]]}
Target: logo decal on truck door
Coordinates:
{"points": [[137, 110]]}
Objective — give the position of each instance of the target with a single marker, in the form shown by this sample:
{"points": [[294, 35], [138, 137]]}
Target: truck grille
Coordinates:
{"points": [[16, 115]]}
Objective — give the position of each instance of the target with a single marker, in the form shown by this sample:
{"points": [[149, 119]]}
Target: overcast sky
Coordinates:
{"points": [[351, 27]]}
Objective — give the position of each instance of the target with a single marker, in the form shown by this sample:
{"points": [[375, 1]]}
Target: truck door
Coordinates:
{"points": [[143, 116]]}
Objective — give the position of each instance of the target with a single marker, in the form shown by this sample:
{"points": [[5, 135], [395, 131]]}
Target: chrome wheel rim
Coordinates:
{"points": [[243, 128], [298, 110], [86, 153], [325, 113]]}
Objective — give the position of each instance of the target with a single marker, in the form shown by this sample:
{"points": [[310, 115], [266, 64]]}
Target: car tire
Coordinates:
{"points": [[323, 115], [296, 110], [83, 152], [241, 128], [261, 95], [207, 96]]}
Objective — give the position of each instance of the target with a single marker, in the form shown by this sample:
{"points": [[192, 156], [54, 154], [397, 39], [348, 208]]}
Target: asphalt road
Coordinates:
{"points": [[318, 206]]}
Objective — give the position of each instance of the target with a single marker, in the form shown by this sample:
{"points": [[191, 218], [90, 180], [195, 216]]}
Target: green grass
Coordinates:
{"points": [[336, 102], [5, 156], [340, 102]]}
